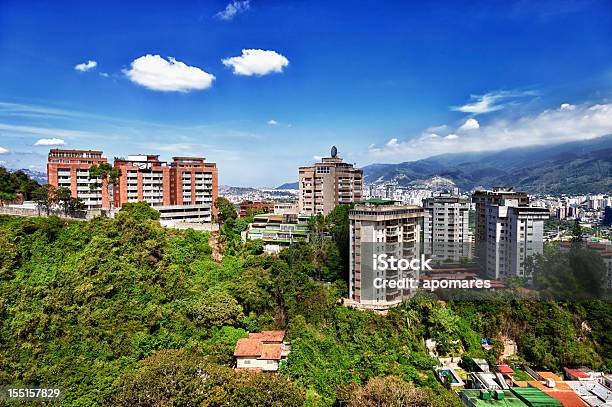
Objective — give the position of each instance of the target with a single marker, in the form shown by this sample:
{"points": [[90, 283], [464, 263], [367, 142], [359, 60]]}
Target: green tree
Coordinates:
{"points": [[63, 197], [104, 176], [44, 197], [225, 210], [217, 309]]}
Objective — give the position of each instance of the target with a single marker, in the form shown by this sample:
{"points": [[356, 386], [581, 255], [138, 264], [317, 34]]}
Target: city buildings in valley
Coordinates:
{"points": [[70, 169], [380, 226], [328, 183], [446, 227]]}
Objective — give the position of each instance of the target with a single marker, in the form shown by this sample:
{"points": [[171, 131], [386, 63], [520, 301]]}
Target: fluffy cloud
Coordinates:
{"points": [[552, 126], [156, 73], [256, 62], [491, 102], [567, 106], [86, 66], [3, 150], [50, 142], [232, 9], [470, 124], [272, 122]]}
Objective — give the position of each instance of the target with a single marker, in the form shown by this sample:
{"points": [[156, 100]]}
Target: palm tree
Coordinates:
{"points": [[108, 175]]}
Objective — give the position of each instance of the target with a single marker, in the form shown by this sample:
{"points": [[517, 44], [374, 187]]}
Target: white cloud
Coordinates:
{"points": [[272, 122], [256, 62], [86, 66], [548, 127], [470, 124], [3, 150], [104, 74], [491, 102], [156, 73], [232, 9], [50, 142], [567, 106]]}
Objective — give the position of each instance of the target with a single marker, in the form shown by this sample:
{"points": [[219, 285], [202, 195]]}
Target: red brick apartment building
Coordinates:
{"points": [[143, 178], [184, 189], [70, 169], [193, 181]]}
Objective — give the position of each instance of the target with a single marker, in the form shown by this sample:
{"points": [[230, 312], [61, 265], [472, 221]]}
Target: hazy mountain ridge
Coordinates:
{"points": [[575, 167]]}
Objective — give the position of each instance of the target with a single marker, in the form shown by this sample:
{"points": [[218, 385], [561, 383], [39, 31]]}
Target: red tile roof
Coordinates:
{"points": [[248, 347], [267, 345], [505, 369], [576, 373], [268, 336]]}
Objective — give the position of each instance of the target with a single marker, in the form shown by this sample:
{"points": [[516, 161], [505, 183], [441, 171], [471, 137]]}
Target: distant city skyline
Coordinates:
{"points": [[262, 88]]}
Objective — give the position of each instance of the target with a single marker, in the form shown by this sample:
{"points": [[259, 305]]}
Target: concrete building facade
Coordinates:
{"points": [[446, 227], [328, 183], [70, 169], [381, 227], [514, 233]]}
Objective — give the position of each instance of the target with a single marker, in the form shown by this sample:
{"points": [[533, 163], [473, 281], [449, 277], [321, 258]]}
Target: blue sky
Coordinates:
{"points": [[384, 81]]}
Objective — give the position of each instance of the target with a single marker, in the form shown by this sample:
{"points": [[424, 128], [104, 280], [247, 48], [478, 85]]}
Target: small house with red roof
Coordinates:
{"points": [[261, 351]]}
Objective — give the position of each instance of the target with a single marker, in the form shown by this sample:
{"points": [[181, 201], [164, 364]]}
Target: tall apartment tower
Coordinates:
{"points": [[482, 199], [381, 227], [70, 169], [514, 233], [194, 186], [327, 184], [143, 178], [446, 227]]}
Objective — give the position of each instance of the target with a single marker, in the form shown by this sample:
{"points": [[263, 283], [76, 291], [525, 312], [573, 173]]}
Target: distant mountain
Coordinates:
{"points": [[575, 167], [38, 176], [289, 185]]}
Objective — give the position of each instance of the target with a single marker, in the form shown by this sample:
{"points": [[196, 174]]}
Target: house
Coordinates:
{"points": [[505, 370], [576, 374], [482, 364], [262, 351], [488, 381]]}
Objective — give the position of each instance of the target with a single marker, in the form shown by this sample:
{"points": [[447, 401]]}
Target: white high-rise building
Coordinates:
{"points": [[514, 233], [381, 227], [446, 227]]}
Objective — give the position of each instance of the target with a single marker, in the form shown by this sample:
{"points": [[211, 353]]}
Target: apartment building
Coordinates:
{"points": [[328, 183], [481, 200], [194, 186], [183, 190], [446, 227], [143, 178], [278, 230], [514, 233], [381, 227], [70, 169]]}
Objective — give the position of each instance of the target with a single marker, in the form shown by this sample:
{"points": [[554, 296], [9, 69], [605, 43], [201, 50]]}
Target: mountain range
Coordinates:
{"points": [[575, 167]]}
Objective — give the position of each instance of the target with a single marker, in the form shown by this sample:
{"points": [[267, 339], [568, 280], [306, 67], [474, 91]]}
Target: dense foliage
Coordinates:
{"points": [[124, 312], [16, 182]]}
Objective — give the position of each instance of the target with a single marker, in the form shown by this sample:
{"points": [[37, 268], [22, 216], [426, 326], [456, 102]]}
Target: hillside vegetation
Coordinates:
{"points": [[124, 312]]}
